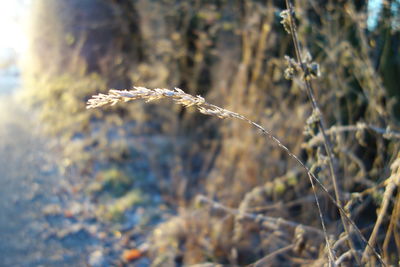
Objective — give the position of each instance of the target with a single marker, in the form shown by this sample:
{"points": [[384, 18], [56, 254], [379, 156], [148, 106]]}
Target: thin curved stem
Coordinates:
{"points": [[322, 129], [187, 100]]}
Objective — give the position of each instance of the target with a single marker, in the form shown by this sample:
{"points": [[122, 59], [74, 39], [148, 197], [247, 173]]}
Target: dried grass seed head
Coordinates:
{"points": [[177, 95]]}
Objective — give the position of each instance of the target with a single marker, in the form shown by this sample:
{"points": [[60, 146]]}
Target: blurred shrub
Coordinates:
{"points": [[115, 210], [112, 181]]}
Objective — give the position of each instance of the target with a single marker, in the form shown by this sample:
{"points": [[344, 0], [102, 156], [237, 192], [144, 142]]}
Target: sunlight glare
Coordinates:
{"points": [[12, 32]]}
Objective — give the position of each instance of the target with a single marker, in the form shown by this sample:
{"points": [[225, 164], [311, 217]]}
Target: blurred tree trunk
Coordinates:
{"points": [[79, 37]]}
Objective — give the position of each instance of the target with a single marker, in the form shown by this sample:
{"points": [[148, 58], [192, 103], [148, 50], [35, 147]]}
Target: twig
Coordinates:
{"points": [[393, 182], [386, 133], [281, 205], [393, 226], [257, 217], [345, 256], [264, 260]]}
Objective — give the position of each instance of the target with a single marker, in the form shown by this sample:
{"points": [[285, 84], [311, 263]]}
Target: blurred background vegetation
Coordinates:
{"points": [[232, 52]]}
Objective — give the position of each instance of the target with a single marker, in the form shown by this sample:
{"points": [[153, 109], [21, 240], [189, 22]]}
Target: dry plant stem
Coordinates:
{"points": [[275, 222], [339, 243], [187, 100], [310, 176], [394, 181], [270, 256], [345, 256], [321, 124], [180, 97], [310, 93], [281, 205], [388, 134], [391, 229], [382, 213]]}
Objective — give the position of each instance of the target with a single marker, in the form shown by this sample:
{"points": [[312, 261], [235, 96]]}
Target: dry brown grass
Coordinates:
{"points": [[187, 100], [234, 56]]}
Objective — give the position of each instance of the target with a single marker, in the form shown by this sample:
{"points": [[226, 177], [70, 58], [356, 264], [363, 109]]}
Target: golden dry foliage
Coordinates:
{"points": [[298, 230], [257, 206]]}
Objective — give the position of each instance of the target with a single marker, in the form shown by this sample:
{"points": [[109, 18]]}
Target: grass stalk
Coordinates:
{"points": [[198, 102], [321, 123]]}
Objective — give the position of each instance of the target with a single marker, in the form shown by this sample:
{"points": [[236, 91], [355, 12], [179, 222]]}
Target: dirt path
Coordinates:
{"points": [[29, 182]]}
